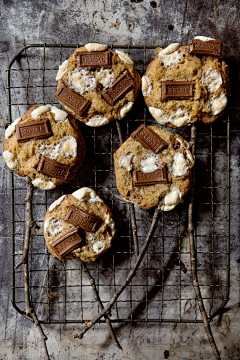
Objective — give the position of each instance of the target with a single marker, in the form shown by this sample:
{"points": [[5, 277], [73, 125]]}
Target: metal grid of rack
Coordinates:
{"points": [[161, 290]]}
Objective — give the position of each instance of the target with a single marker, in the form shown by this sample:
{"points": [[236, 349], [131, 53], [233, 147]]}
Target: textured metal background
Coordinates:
{"points": [[120, 22]]}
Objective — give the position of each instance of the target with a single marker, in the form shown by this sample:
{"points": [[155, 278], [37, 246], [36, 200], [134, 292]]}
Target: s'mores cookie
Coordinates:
{"points": [[152, 167], [97, 85], [185, 84], [79, 225], [45, 144]]}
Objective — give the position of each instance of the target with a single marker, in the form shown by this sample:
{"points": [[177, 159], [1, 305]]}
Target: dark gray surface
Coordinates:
{"points": [[127, 22]]}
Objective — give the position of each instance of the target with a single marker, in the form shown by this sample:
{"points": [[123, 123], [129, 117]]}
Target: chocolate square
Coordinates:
{"points": [[38, 129], [82, 218], [95, 59], [149, 139], [122, 85], [211, 47], [67, 243], [74, 101], [177, 90], [158, 176], [53, 168]]}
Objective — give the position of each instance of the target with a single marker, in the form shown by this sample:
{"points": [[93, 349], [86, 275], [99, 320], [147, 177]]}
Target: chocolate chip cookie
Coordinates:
{"points": [[97, 85], [45, 144], [185, 84], [79, 225], [153, 166]]}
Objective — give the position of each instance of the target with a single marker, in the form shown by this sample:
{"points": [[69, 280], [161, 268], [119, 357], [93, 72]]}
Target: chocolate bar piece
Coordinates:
{"points": [[177, 90], [94, 59], [144, 179], [67, 242], [86, 221], [211, 47], [39, 129], [123, 84], [53, 168], [74, 101], [149, 139]]}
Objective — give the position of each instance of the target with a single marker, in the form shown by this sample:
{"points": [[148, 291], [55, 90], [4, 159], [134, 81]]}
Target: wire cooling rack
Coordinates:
{"points": [[161, 290]]}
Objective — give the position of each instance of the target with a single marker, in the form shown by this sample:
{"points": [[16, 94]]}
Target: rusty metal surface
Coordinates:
{"points": [[131, 22]]}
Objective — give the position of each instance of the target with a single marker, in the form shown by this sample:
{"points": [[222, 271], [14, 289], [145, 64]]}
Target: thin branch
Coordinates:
{"points": [[131, 206], [193, 259], [134, 229], [99, 301], [131, 274], [30, 310], [29, 224], [119, 132]]}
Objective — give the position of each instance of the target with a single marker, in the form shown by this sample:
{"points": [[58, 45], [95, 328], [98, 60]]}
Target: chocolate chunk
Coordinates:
{"points": [[86, 221], [94, 59], [39, 129], [74, 101], [53, 168], [177, 90], [123, 84], [149, 139], [144, 179], [67, 242], [211, 47]]}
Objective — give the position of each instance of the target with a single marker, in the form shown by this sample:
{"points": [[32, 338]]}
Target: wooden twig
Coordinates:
{"points": [[30, 310], [134, 229], [193, 259], [29, 224], [99, 301], [119, 132], [131, 206], [131, 274]]}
